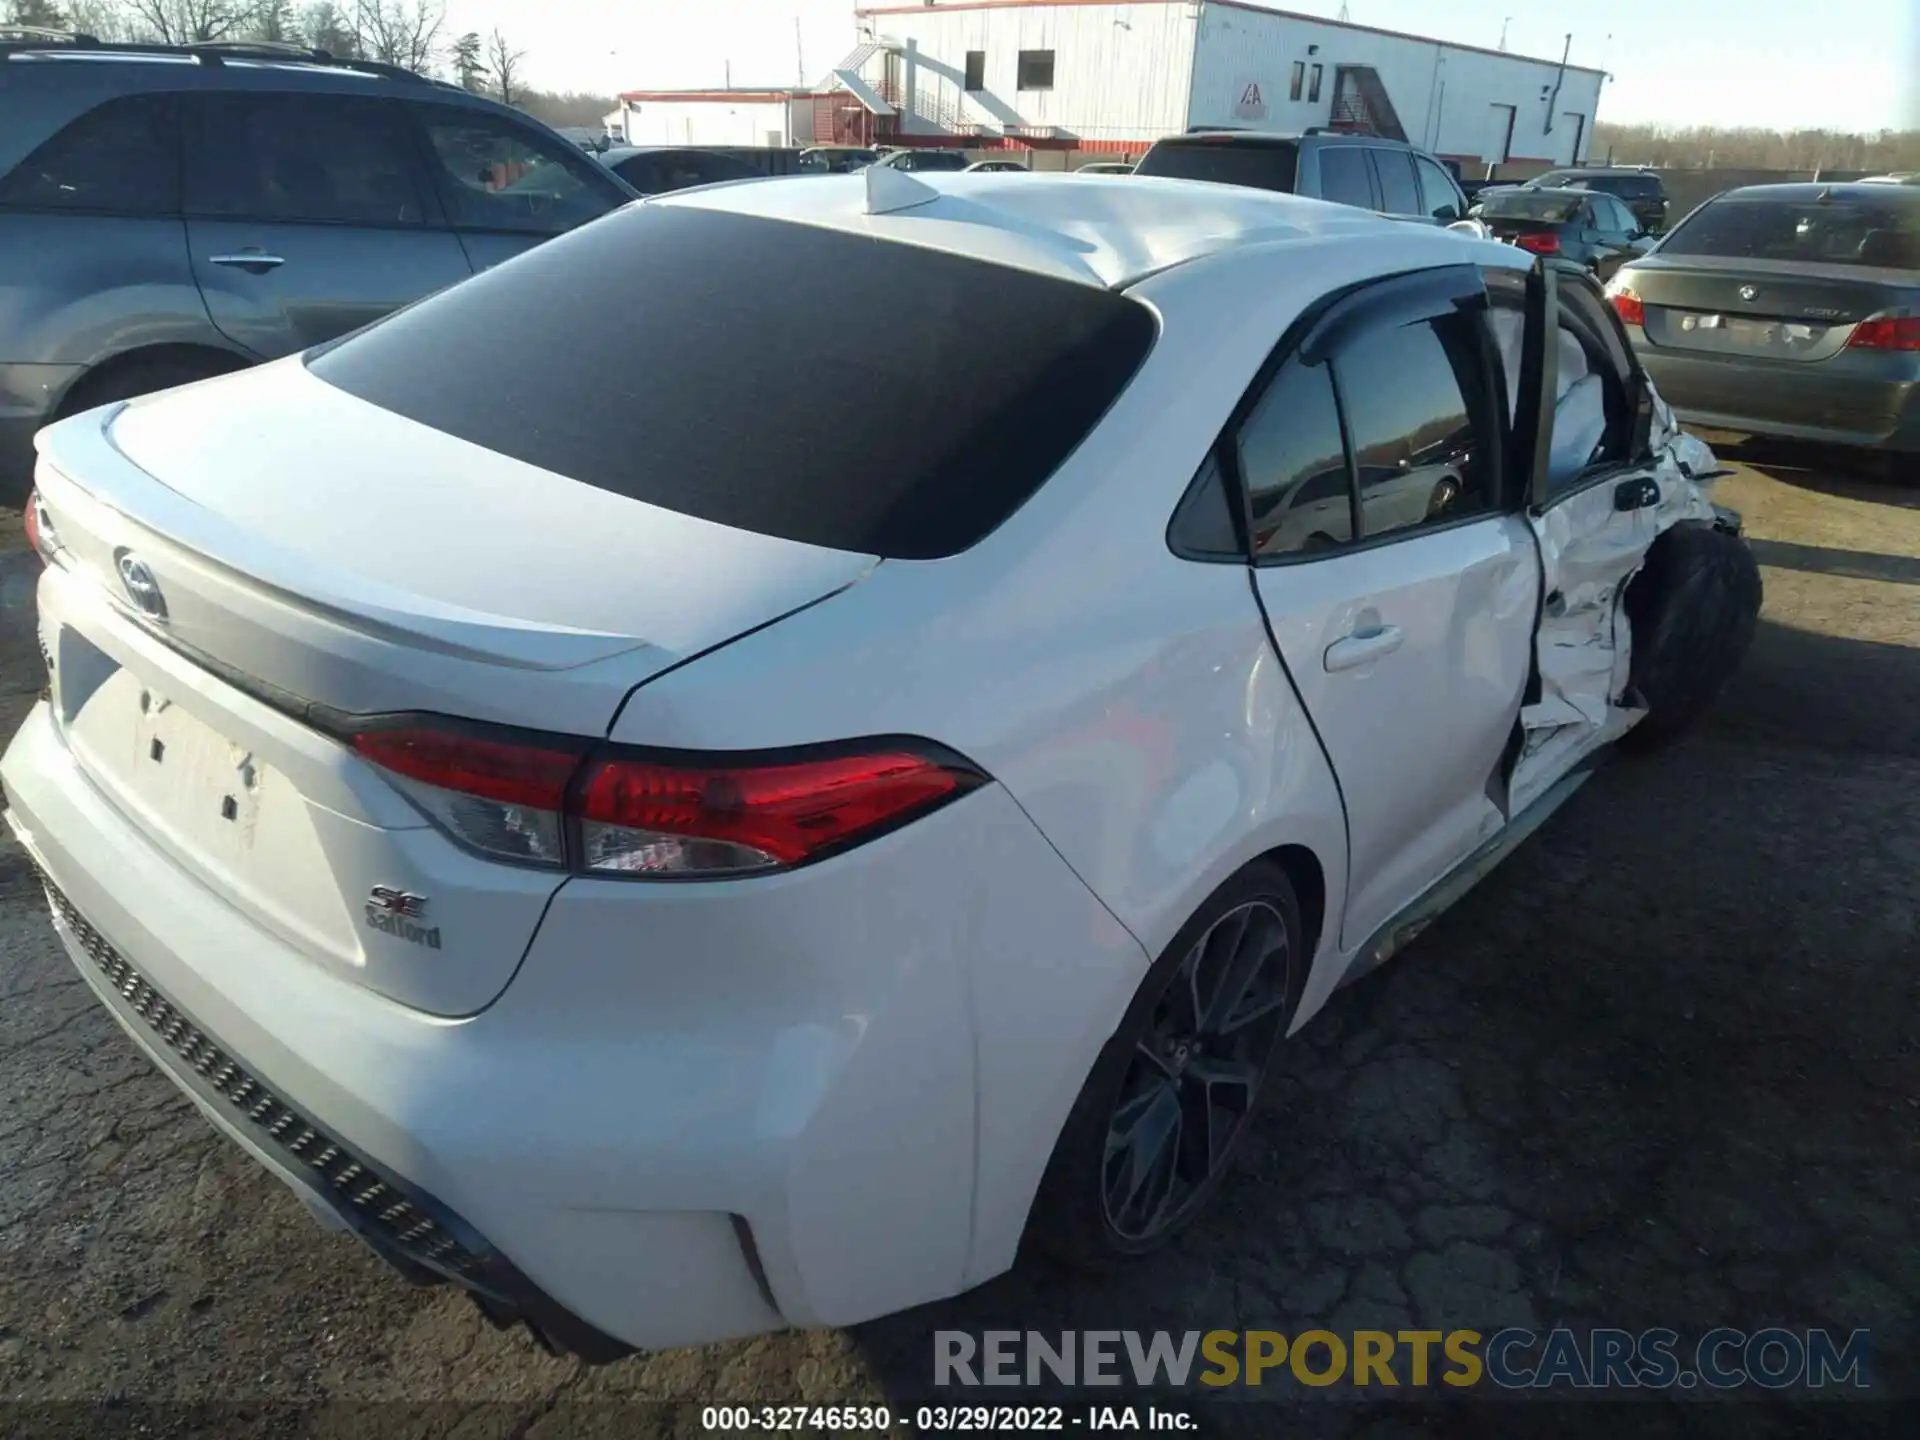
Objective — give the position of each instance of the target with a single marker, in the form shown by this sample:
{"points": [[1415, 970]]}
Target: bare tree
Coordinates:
{"points": [[41, 14], [102, 19], [325, 26], [399, 33], [189, 22], [275, 21], [503, 63]]}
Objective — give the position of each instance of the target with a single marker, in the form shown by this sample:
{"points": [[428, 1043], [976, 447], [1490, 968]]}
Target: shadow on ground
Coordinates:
{"points": [[1870, 475], [1658, 1070]]}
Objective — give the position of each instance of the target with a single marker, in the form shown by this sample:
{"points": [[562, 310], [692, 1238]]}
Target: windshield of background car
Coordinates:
{"points": [[1841, 231], [1550, 206], [1266, 166], [792, 380]]}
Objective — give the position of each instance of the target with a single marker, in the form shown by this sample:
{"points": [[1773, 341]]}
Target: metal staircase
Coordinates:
{"points": [[1361, 106]]}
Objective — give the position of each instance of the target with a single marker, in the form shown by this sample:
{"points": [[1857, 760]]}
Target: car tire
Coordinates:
{"points": [[110, 382], [1109, 1195], [1693, 608]]}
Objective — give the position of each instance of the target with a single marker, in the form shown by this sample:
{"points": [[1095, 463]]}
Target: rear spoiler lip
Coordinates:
{"points": [[81, 454]]}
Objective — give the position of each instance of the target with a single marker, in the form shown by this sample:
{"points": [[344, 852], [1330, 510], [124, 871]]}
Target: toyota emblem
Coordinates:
{"points": [[1749, 292], [141, 587]]}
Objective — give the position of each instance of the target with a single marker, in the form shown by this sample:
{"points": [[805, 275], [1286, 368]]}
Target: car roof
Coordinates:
{"points": [[1563, 191], [1585, 171], [1099, 230], [1806, 191], [1221, 135]]}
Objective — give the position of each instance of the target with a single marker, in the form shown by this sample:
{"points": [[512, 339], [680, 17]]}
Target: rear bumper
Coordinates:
{"points": [[692, 1116], [1788, 402]]}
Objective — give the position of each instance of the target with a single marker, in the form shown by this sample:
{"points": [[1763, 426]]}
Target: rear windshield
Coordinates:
{"points": [[1530, 205], [1266, 166], [1827, 232], [787, 379]]}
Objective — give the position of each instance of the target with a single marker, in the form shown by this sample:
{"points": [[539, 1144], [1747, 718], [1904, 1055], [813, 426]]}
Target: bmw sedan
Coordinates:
{"points": [[626, 841], [1790, 311]]}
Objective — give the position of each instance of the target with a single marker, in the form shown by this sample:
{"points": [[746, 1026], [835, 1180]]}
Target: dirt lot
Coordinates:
{"points": [[1660, 1069]]}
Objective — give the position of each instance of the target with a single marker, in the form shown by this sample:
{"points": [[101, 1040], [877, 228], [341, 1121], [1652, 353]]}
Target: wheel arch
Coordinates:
{"points": [[208, 360]]}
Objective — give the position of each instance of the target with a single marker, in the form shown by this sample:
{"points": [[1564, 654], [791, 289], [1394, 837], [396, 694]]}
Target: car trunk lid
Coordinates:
{"points": [[237, 556], [1773, 309]]}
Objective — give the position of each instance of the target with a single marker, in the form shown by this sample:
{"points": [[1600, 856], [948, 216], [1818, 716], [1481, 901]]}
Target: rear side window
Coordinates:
{"points": [[120, 158], [1343, 176], [1412, 392], [1263, 167], [1293, 465], [715, 364], [1399, 192], [324, 159], [1832, 232], [1555, 207]]}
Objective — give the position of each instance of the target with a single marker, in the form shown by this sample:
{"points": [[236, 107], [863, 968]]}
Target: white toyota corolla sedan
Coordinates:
{"points": [[735, 794]]}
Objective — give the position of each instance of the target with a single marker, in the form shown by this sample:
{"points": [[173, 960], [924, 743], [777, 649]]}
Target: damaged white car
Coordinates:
{"points": [[632, 841]]}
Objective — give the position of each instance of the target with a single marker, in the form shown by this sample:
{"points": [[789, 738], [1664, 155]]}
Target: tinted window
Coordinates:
{"points": [[1294, 465], [1629, 187], [1411, 393], [934, 160], [1848, 231], [317, 158], [1343, 176], [1264, 166], [1613, 216], [1299, 79], [1035, 70], [1442, 202], [976, 70], [1313, 84], [1399, 193], [122, 157], [1557, 207], [497, 175], [704, 362], [657, 174]]}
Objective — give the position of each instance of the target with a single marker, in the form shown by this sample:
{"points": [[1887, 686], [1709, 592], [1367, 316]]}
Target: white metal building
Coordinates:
{"points": [[1117, 74], [709, 117]]}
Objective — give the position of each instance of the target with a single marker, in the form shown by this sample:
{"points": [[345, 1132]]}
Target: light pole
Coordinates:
{"points": [[1503, 31]]}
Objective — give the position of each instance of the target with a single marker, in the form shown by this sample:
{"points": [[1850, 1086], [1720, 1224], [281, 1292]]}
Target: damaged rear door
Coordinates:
{"points": [[1607, 476]]}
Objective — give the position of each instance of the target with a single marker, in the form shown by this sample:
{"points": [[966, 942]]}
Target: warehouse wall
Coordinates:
{"points": [[1445, 96], [707, 122], [1120, 71]]}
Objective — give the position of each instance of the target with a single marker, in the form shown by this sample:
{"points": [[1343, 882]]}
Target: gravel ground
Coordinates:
{"points": [[1658, 1070]]}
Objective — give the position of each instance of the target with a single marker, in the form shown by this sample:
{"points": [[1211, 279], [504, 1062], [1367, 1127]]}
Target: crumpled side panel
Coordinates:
{"points": [[1584, 648]]}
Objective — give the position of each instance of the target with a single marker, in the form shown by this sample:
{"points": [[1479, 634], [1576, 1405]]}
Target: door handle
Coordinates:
{"points": [[258, 261], [1361, 646]]}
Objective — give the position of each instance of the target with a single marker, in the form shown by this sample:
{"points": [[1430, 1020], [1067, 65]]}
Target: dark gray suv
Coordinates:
{"points": [[169, 213], [1369, 171]]}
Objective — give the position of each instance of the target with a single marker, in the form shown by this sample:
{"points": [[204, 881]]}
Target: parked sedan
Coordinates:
{"points": [[1790, 311], [921, 158], [1592, 230], [1106, 167], [627, 842], [998, 166]]}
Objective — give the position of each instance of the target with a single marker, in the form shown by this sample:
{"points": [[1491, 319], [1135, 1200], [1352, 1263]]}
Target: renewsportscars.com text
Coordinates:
{"points": [[1599, 1359]]}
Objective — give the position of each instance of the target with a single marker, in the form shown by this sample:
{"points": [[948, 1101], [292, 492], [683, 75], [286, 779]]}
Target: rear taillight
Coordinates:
{"points": [[1628, 306], [1544, 242], [40, 532], [561, 802], [1886, 332]]}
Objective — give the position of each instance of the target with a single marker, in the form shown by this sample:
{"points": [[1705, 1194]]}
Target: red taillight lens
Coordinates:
{"points": [[1544, 243], [539, 800], [40, 532], [1887, 332], [1629, 307], [646, 817], [30, 517]]}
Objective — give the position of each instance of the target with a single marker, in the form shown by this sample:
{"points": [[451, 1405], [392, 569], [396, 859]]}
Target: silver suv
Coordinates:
{"points": [[169, 213]]}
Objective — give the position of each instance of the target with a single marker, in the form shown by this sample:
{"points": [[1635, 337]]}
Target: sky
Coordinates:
{"points": [[1843, 64]]}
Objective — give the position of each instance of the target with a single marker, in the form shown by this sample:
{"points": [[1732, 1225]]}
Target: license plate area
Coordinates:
{"points": [[183, 779]]}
